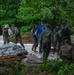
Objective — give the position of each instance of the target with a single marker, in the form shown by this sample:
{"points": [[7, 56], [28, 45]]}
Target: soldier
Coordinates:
{"points": [[5, 34], [34, 38], [66, 51], [73, 52], [46, 41], [65, 33], [17, 35], [57, 38]]}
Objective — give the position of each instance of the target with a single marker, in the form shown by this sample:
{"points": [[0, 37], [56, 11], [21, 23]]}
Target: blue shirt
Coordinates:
{"points": [[39, 30]]}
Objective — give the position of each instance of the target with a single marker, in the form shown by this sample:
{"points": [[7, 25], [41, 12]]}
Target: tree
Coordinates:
{"points": [[27, 12]]}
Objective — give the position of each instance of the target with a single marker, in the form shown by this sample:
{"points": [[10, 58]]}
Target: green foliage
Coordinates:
{"points": [[4, 69], [8, 10], [19, 69], [52, 11], [66, 69], [56, 67], [12, 38], [25, 12], [50, 67], [25, 28], [16, 68]]}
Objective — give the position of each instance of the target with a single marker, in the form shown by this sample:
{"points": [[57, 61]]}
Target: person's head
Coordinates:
{"points": [[57, 26], [34, 26], [6, 26], [47, 26], [12, 26], [64, 23], [66, 42], [42, 22]]}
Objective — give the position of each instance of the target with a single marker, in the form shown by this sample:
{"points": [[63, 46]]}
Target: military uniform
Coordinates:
{"points": [[6, 34], [65, 34], [57, 39], [17, 36], [66, 52], [46, 42], [73, 52]]}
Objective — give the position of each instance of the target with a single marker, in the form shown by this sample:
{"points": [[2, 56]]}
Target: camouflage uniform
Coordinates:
{"points": [[73, 52], [65, 33], [46, 42], [57, 39], [66, 52], [17, 36], [6, 35]]}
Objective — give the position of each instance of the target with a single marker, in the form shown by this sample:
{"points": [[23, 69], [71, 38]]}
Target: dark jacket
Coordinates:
{"points": [[5, 32], [16, 32]]}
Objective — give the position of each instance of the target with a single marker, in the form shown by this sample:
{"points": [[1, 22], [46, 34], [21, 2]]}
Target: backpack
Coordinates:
{"points": [[46, 36], [66, 51]]}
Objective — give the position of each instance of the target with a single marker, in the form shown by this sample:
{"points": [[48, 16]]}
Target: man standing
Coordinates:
{"points": [[46, 41], [6, 34], [38, 33], [65, 33], [34, 38], [57, 38], [17, 35]]}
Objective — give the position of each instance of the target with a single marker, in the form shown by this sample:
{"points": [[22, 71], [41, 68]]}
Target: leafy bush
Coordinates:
{"points": [[56, 67], [25, 12], [24, 29], [18, 69], [66, 69]]}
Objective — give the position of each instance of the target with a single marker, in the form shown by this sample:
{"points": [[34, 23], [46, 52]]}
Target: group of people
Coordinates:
{"points": [[14, 31], [59, 37], [42, 35]]}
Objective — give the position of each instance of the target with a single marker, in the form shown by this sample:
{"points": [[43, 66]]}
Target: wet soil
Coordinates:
{"points": [[27, 39]]}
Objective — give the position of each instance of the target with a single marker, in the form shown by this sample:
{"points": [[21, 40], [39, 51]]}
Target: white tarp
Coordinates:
{"points": [[11, 49]]}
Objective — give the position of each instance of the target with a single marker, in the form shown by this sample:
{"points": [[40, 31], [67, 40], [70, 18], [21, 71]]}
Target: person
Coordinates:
{"points": [[45, 40], [65, 33], [17, 35], [66, 51], [72, 51], [6, 33], [57, 38], [34, 38], [39, 30]]}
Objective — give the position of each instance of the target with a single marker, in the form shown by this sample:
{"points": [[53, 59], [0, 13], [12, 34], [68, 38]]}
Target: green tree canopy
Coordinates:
{"points": [[27, 12]]}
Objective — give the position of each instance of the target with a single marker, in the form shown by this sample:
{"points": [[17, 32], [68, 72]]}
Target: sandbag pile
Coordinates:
{"points": [[11, 49]]}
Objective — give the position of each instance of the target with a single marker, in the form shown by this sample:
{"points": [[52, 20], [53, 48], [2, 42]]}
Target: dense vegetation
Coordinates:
{"points": [[24, 13], [49, 68]]}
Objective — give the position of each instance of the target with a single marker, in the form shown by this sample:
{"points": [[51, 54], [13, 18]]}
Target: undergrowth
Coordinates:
{"points": [[54, 67]]}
